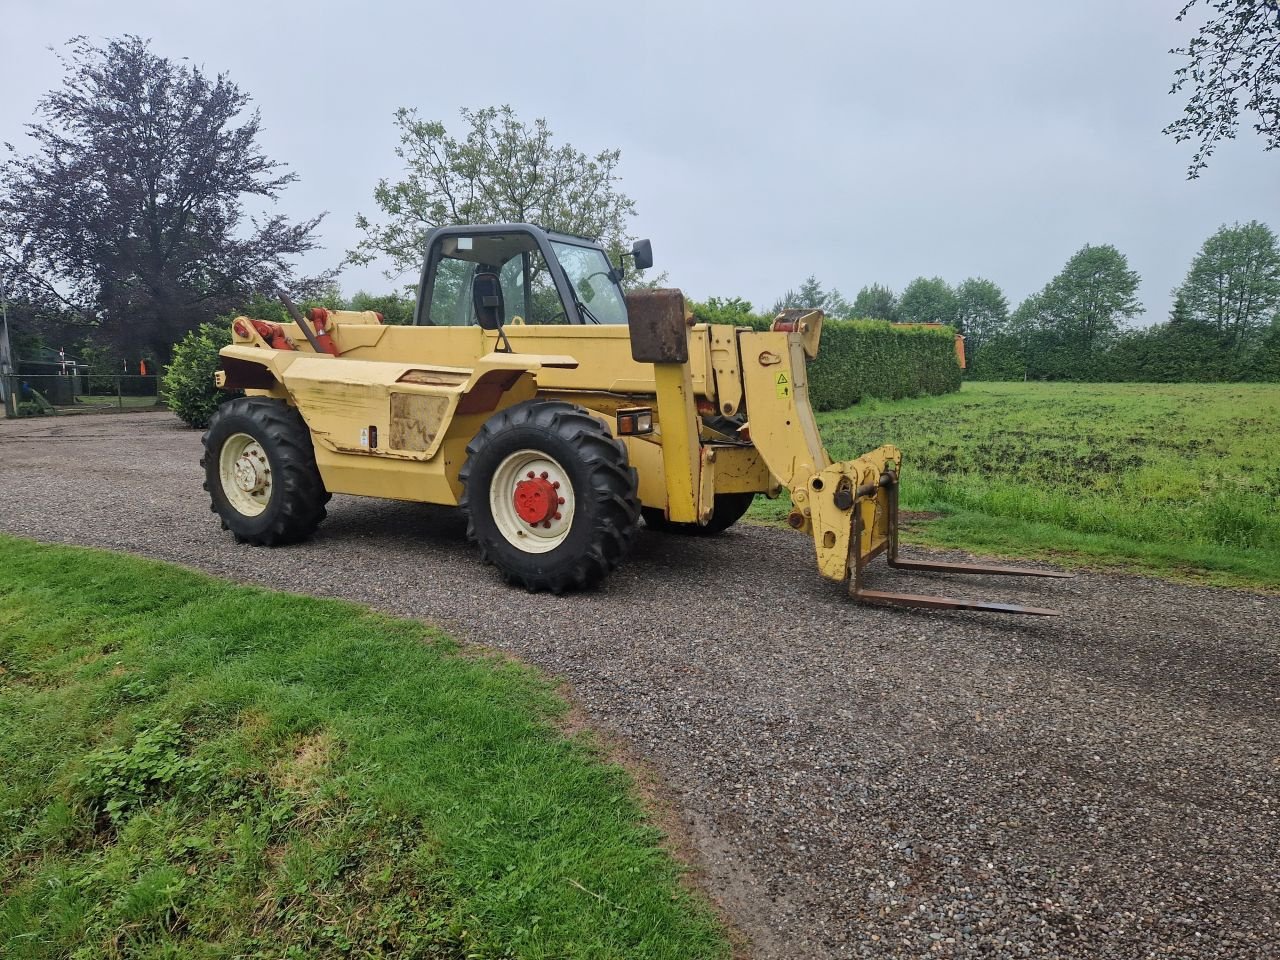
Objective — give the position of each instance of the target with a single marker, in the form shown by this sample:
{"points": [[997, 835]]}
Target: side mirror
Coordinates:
{"points": [[642, 251], [486, 296]]}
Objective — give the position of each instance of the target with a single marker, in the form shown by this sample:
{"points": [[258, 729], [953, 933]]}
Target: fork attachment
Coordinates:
{"points": [[880, 534]]}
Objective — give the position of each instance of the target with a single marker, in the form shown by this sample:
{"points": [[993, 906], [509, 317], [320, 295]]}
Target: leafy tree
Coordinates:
{"points": [[982, 312], [812, 295], [1233, 285], [875, 303], [501, 171], [1234, 56], [1085, 305], [128, 211], [928, 301], [731, 310]]}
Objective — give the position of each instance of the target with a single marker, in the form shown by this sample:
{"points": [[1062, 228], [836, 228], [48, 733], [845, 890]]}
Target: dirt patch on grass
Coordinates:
{"points": [[310, 759]]}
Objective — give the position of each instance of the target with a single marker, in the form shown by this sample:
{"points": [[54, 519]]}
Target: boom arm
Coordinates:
{"points": [[849, 507]]}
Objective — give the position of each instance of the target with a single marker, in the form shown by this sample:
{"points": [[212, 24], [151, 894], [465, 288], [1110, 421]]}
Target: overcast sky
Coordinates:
{"points": [[761, 141]]}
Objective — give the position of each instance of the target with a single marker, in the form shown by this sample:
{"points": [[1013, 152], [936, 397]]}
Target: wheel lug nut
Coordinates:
{"points": [[556, 486], [530, 474], [559, 499], [554, 516], [544, 474]]}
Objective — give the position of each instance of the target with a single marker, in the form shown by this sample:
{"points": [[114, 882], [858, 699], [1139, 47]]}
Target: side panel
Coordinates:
{"points": [[603, 353], [432, 481]]}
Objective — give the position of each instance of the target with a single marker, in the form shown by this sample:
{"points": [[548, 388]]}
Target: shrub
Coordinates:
{"points": [[188, 380], [396, 308], [875, 358]]}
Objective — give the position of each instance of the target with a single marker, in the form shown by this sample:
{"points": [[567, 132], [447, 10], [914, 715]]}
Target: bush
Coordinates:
{"points": [[396, 308], [875, 358], [188, 380]]}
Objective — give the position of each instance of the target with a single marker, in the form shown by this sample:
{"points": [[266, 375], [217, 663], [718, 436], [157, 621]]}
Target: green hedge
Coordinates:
{"points": [[874, 358]]}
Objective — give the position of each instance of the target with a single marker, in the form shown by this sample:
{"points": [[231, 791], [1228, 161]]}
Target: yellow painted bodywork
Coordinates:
{"points": [[391, 414]]}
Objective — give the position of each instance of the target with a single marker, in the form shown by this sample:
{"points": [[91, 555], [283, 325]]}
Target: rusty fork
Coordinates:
{"points": [[882, 598]]}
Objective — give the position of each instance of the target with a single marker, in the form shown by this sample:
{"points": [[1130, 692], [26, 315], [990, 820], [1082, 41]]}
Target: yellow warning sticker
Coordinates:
{"points": [[783, 386]]}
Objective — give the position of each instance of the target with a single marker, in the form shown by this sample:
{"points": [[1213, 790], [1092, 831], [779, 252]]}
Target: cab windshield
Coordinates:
{"points": [[591, 277]]}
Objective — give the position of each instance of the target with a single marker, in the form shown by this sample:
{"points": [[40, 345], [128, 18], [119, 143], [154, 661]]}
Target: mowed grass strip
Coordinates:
{"points": [[194, 769], [1181, 479]]}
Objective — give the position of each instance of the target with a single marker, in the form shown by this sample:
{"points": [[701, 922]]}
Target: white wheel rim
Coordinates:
{"points": [[246, 474], [531, 501]]}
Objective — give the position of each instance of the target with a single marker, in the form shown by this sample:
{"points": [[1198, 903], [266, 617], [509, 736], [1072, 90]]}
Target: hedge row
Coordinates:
{"points": [[875, 358]]}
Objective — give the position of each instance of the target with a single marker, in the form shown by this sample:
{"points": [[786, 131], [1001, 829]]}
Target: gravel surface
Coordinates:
{"points": [[857, 782]]}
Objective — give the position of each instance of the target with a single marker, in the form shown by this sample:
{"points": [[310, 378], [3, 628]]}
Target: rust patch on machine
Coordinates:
{"points": [[433, 378], [415, 420]]}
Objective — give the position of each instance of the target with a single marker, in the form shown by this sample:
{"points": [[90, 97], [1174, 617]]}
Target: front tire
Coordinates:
{"points": [[550, 496], [260, 472]]}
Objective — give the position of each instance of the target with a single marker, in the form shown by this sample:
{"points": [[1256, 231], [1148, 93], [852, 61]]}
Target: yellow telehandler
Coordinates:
{"points": [[555, 411]]}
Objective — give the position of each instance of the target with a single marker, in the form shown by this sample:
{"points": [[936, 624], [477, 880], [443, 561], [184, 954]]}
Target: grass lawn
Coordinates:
{"points": [[197, 769], [1181, 479]]}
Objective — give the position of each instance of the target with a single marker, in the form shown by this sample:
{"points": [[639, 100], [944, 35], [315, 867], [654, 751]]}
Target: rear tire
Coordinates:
{"points": [[728, 510], [550, 496], [260, 472]]}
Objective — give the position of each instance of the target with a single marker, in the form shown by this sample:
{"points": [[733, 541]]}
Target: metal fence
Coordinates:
{"points": [[39, 395]]}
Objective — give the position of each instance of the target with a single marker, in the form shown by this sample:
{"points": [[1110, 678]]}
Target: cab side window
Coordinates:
{"points": [[451, 296], [529, 292]]}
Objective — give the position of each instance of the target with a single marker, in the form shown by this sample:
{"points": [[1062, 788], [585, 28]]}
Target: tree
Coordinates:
{"points": [[731, 310], [811, 295], [1234, 56], [1085, 306], [928, 301], [1233, 285], [129, 209], [982, 311], [501, 171], [875, 303]]}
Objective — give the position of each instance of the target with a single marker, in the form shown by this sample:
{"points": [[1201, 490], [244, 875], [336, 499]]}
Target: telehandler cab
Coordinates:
{"points": [[555, 411]]}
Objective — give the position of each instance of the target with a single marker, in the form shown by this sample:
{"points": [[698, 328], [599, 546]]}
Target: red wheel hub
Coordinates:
{"points": [[536, 499]]}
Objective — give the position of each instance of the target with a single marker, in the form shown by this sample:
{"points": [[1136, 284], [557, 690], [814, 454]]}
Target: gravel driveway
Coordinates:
{"points": [[855, 782]]}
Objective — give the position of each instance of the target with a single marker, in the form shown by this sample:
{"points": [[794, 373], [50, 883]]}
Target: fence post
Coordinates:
{"points": [[120, 391]]}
